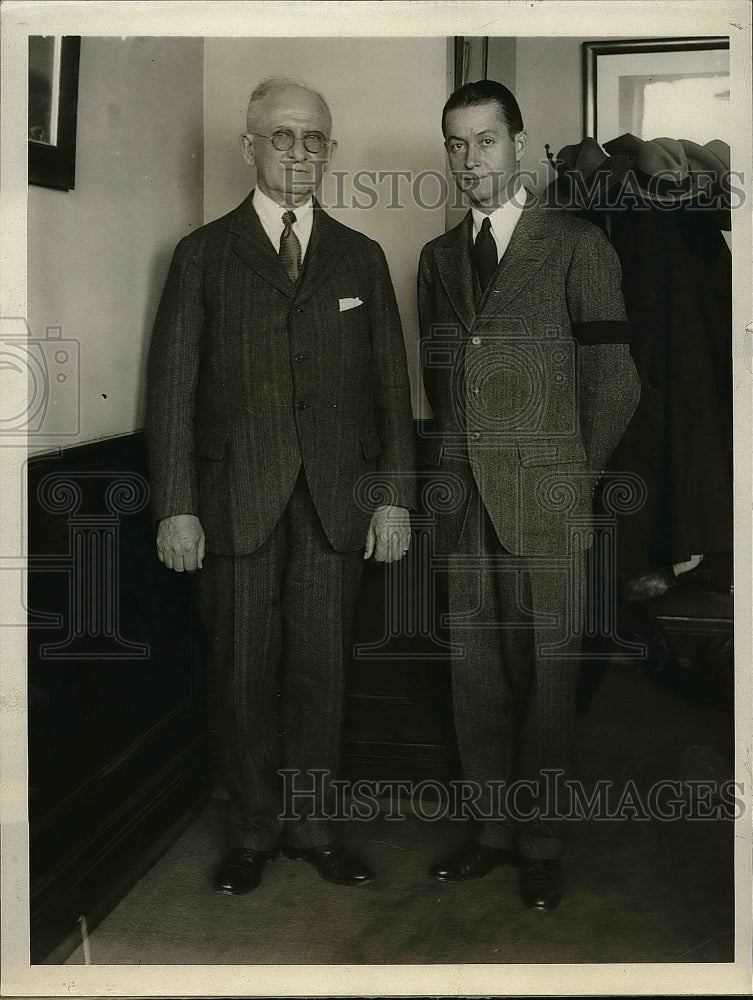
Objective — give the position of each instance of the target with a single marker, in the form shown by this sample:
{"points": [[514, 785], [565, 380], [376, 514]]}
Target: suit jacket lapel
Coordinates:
{"points": [[253, 246], [453, 257], [533, 240], [322, 254]]}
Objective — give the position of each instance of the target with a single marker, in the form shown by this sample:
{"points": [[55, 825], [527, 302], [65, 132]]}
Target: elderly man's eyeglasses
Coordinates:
{"points": [[283, 140]]}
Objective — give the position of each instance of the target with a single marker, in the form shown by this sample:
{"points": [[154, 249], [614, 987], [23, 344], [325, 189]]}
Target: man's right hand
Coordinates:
{"points": [[180, 542]]}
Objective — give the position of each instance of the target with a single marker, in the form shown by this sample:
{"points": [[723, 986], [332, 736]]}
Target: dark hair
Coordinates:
{"points": [[485, 92]]}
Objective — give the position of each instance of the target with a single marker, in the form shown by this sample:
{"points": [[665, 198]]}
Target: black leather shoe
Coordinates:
{"points": [[541, 883], [472, 861], [241, 870], [333, 863]]}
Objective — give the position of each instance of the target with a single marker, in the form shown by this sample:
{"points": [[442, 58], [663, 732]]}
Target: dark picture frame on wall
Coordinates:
{"points": [[615, 75], [53, 96]]}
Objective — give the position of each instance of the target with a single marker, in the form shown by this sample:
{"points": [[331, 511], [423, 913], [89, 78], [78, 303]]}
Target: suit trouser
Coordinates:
{"points": [[514, 700], [278, 623]]}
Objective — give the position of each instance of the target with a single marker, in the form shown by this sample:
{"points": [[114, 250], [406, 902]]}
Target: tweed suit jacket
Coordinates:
{"points": [[532, 384], [251, 376]]}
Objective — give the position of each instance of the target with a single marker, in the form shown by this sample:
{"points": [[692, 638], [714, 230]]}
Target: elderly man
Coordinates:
{"points": [[528, 371], [277, 386]]}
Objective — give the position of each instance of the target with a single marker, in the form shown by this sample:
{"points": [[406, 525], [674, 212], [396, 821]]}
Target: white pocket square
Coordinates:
{"points": [[349, 304]]}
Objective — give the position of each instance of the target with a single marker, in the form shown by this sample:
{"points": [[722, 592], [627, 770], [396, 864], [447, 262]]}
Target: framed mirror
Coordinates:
{"points": [[677, 87]]}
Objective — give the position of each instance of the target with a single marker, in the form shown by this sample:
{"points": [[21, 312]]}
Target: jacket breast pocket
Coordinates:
{"points": [[565, 452], [353, 318]]}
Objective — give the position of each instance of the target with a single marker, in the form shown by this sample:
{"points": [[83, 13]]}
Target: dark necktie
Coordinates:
{"points": [[290, 247], [485, 254]]}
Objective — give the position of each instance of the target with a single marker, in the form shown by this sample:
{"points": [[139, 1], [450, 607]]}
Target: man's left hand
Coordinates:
{"points": [[388, 536]]}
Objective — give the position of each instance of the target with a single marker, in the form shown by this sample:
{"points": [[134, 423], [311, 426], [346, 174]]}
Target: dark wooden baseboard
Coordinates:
{"points": [[118, 747], [96, 887]]}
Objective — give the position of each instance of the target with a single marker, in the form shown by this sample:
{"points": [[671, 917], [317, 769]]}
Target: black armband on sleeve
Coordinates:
{"points": [[602, 332]]}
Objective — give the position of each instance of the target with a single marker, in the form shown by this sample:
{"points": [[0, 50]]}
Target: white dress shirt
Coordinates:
{"points": [[270, 216], [503, 220]]}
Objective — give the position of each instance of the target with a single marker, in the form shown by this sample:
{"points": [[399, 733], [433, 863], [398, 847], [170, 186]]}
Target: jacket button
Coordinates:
{"points": [[474, 436], [475, 341], [302, 406], [300, 357]]}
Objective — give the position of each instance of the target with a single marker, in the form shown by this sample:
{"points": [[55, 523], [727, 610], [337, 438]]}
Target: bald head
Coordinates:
{"points": [[277, 95]]}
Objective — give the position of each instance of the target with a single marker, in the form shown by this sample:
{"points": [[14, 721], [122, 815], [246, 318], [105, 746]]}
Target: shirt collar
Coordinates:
{"points": [[270, 213], [504, 218]]}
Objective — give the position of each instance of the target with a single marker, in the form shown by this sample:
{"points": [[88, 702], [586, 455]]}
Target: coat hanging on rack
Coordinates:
{"points": [[662, 204]]}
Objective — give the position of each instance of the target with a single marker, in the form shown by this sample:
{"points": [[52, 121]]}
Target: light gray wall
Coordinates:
{"points": [[549, 90], [98, 255]]}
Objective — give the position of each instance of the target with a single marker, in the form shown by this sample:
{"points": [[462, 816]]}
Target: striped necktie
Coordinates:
{"points": [[290, 247]]}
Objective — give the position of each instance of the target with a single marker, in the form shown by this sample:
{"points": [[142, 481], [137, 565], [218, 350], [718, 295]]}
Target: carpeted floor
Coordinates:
{"points": [[638, 891]]}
